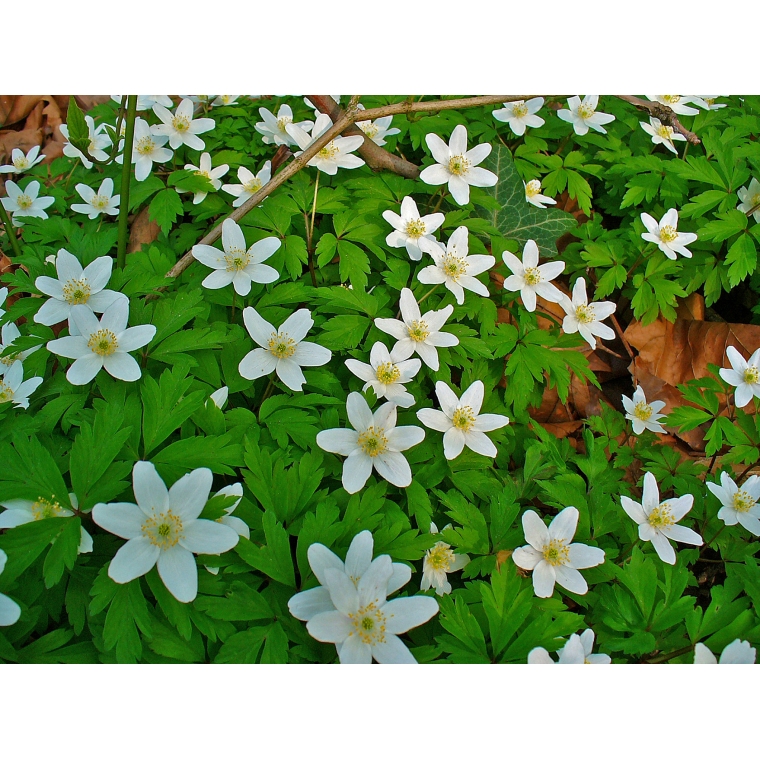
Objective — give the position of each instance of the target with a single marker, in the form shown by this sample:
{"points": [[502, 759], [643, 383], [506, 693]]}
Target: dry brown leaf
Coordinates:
{"points": [[25, 139], [142, 231], [502, 557], [21, 106]]}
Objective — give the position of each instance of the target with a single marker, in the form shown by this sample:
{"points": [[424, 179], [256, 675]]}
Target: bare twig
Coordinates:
{"points": [[662, 112]]}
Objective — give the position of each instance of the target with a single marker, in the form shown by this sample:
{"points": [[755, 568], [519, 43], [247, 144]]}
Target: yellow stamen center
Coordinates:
{"points": [[585, 314], [102, 342], [671, 100], [282, 122], [454, 266], [6, 392], [463, 418], [181, 123], [668, 233], [368, 624], [369, 129], [373, 441], [754, 200], [519, 109], [329, 151], [743, 502], [388, 372], [415, 228], [665, 132], [23, 201], [440, 557], [145, 145], [21, 163], [532, 276], [42, 509], [533, 188], [556, 553], [9, 359], [237, 259], [252, 186], [282, 346], [585, 110], [751, 374], [661, 517], [100, 201], [76, 291], [418, 330], [163, 530], [643, 411], [459, 165]]}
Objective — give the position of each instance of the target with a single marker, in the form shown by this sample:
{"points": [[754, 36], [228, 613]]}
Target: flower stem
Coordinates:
{"points": [[9, 231], [126, 175], [430, 292], [232, 313], [267, 394], [310, 234]]}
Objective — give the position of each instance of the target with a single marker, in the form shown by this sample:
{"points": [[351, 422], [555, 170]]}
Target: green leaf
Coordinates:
{"points": [[30, 472], [63, 552], [139, 192], [79, 132], [742, 259], [24, 543], [344, 332], [241, 603], [164, 209], [213, 451], [354, 264], [189, 181], [274, 558]]}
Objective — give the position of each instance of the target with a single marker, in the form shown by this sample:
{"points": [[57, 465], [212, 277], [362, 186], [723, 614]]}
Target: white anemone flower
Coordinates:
{"points": [[337, 154], [219, 397], [662, 134], [237, 264], [644, 415], [657, 520], [3, 296], [314, 108], [460, 421], [205, 170], [75, 285], [708, 102], [364, 625], [22, 511], [375, 442], [533, 194], [739, 505], [164, 529], [386, 374], [520, 114], [25, 202], [13, 387], [21, 162], [306, 604], [283, 350], [440, 560], [744, 374], [102, 344], [251, 183], [676, 103], [532, 279], [180, 127], [584, 317], [410, 228], [272, 129], [666, 235], [551, 556], [146, 102], [736, 653], [224, 100], [750, 199], [577, 651], [8, 334], [239, 526], [378, 129], [147, 148], [102, 202], [584, 116], [99, 140], [454, 267], [10, 612], [458, 166], [420, 333]]}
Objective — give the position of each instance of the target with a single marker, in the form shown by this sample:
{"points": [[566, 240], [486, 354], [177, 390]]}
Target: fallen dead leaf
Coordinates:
{"points": [[143, 230]]}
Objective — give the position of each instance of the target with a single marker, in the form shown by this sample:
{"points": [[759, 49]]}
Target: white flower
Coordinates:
{"points": [[736, 653], [677, 103], [708, 102], [750, 199], [439, 561], [337, 154], [180, 127], [378, 129], [22, 511], [306, 604], [102, 202], [20, 162], [9, 333], [364, 624], [644, 416], [453, 267], [25, 202], [272, 129], [739, 504], [532, 279], [163, 528], [551, 556], [219, 398], [745, 375], [533, 194], [3, 296], [662, 134], [583, 115], [251, 183], [314, 108], [238, 525], [205, 170], [103, 344], [225, 100], [461, 422], [98, 140], [657, 521], [146, 148], [458, 166], [577, 651], [74, 286], [410, 228], [236, 264], [375, 442], [146, 102], [386, 374], [418, 333], [285, 351], [520, 114], [666, 235], [10, 612], [584, 317], [14, 390]]}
